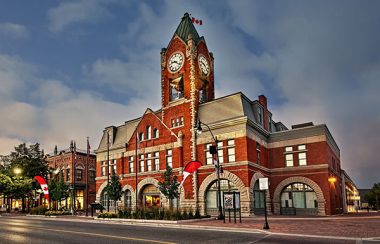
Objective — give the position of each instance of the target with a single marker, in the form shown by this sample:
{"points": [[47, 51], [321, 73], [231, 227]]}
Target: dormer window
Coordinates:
{"points": [[155, 133], [260, 114], [148, 132]]}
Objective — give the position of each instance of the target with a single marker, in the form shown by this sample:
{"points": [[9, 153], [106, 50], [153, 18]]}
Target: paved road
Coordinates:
{"points": [[32, 230]]}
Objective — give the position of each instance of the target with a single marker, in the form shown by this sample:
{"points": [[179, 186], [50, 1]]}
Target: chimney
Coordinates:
{"points": [[263, 101]]}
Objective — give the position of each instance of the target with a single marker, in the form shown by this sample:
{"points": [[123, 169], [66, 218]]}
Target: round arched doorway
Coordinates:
{"points": [[151, 196], [258, 199], [298, 199], [212, 193]]}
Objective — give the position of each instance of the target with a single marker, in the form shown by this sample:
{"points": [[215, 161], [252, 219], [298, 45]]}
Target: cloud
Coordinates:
{"points": [[13, 31], [327, 61], [83, 11]]}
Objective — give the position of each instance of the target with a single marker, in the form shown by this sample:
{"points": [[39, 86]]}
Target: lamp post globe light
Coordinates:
{"points": [[214, 151]]}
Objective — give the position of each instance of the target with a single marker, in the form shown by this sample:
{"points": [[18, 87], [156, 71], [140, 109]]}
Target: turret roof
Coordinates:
{"points": [[185, 28]]}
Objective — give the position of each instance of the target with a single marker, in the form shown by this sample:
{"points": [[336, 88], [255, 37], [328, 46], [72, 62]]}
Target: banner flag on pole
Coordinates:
{"points": [[190, 168], [44, 186]]}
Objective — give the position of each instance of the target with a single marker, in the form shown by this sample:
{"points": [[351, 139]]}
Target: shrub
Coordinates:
{"points": [[197, 214], [57, 213], [40, 210], [107, 215], [185, 215]]}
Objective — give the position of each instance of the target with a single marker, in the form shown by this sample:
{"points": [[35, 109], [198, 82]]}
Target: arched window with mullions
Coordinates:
{"points": [[104, 200], [300, 199], [127, 199]]}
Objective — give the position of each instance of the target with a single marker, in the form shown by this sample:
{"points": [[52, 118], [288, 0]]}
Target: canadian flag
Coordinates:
{"points": [[196, 21], [190, 168], [43, 185]]}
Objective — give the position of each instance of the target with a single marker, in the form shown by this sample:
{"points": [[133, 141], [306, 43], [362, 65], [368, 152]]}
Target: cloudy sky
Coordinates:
{"points": [[68, 69]]}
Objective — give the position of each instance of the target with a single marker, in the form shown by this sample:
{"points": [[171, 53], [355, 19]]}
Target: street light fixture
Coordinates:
{"points": [[17, 171], [214, 151]]}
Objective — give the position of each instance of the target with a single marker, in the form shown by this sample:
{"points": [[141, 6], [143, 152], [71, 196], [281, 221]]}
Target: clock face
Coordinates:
{"points": [[175, 62], [203, 65]]}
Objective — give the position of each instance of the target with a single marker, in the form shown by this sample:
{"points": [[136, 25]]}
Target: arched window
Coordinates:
{"points": [[148, 132], [141, 136], [258, 199], [127, 199], [155, 133], [212, 193], [104, 200], [298, 198]]}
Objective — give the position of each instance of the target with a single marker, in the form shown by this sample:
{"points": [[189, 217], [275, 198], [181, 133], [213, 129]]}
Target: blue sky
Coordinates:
{"points": [[68, 69]]}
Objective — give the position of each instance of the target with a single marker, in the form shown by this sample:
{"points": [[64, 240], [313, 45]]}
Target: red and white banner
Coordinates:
{"points": [[190, 168], [43, 185]]}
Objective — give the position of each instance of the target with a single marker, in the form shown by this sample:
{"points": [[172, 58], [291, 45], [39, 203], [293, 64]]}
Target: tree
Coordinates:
{"points": [[5, 184], [32, 162], [114, 188], [169, 186], [58, 190], [373, 196]]}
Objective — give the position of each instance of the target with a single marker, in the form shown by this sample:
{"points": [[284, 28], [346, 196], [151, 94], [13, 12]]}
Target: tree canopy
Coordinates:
{"points": [[114, 188], [169, 185], [373, 196]]}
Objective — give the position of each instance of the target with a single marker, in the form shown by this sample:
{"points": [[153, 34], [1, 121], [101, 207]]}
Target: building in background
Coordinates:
{"points": [[70, 165], [302, 163]]}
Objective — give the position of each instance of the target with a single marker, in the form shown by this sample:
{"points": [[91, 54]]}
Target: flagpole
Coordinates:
{"points": [[74, 175], [108, 169], [136, 176], [88, 155]]}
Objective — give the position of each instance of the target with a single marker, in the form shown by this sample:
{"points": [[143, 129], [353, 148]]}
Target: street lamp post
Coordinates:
{"points": [[214, 151]]}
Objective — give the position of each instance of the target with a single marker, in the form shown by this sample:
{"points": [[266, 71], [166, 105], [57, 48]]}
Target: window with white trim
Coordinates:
{"points": [[169, 158], [156, 161], [141, 136], [131, 164], [258, 153], [104, 168], [149, 161], [289, 160], [141, 162], [302, 155], [220, 152], [208, 154], [231, 150], [148, 132], [155, 133]]}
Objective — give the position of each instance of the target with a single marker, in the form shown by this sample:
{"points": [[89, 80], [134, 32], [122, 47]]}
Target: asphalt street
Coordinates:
{"points": [[34, 230]]}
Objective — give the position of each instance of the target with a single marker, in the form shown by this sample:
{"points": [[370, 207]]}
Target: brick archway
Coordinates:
{"points": [[100, 190], [226, 175], [299, 179], [133, 195], [254, 179]]}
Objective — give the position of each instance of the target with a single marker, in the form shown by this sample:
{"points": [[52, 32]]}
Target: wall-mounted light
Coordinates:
{"points": [[332, 179]]}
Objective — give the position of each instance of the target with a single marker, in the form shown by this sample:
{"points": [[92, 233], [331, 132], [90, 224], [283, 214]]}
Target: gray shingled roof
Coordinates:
{"points": [[185, 28]]}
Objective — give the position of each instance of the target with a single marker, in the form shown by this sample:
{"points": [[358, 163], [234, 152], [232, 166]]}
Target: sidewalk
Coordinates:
{"points": [[361, 225]]}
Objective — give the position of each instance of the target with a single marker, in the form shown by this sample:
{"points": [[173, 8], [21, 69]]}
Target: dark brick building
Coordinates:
{"points": [[302, 163], [63, 165]]}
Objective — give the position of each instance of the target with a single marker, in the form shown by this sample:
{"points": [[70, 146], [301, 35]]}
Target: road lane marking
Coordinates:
{"points": [[108, 236]]}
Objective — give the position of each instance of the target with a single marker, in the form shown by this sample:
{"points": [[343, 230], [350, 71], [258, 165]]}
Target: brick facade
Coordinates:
{"points": [[251, 145]]}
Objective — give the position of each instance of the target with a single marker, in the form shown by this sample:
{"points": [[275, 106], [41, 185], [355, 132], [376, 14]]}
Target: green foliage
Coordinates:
{"points": [[107, 215], [57, 213], [20, 187], [58, 189], [5, 184], [169, 185], [40, 210], [114, 188], [373, 196]]}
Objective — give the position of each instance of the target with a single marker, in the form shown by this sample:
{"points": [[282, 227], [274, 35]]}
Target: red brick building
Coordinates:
{"points": [[63, 165], [302, 163]]}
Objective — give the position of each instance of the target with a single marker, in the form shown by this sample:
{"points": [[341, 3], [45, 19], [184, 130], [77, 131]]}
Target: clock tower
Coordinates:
{"points": [[187, 78]]}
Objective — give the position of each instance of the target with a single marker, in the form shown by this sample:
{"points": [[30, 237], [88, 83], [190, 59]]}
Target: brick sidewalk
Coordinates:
{"points": [[351, 225]]}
